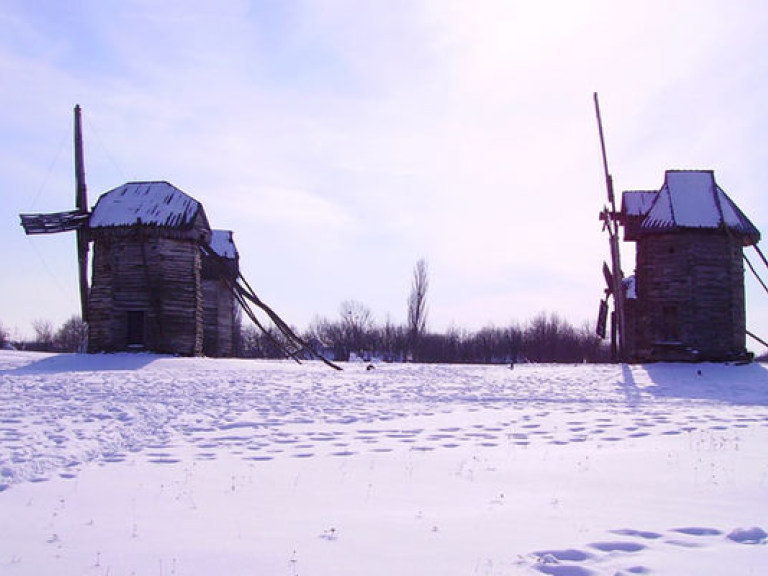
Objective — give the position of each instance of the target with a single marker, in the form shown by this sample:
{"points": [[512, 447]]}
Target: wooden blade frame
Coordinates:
{"points": [[81, 202], [611, 222]]}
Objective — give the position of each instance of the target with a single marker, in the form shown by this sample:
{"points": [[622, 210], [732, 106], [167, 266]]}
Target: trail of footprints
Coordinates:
{"points": [[261, 442], [624, 555], [302, 431], [57, 424]]}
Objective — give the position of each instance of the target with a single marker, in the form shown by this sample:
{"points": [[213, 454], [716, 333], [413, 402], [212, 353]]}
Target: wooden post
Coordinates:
{"points": [[81, 203], [613, 233]]}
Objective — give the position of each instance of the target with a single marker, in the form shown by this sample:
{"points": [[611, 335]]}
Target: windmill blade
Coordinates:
{"points": [[81, 202], [611, 221], [602, 319], [605, 217], [54, 222], [608, 279], [82, 271]]}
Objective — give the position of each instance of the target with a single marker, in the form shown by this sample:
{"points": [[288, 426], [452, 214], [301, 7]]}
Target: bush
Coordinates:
{"points": [[72, 336]]}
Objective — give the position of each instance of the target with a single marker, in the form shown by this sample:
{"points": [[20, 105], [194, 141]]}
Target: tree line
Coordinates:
{"points": [[71, 336], [355, 334], [546, 338]]}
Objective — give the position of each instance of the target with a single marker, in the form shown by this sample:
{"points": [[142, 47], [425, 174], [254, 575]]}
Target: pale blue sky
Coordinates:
{"points": [[343, 140]]}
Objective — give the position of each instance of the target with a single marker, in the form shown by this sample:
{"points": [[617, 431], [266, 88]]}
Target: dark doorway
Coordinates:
{"points": [[135, 328]]}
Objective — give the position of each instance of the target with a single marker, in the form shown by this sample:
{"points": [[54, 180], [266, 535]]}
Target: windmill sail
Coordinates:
{"points": [[77, 220], [610, 219], [54, 222], [81, 201]]}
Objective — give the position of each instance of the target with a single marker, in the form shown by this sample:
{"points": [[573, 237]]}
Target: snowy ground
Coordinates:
{"points": [[147, 465]]}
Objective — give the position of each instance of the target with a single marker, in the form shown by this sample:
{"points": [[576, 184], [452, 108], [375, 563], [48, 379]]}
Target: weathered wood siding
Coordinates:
{"points": [[219, 305], [690, 295], [141, 270], [219, 318]]}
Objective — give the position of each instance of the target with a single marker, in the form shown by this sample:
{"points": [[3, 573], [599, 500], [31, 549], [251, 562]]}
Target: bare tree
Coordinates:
{"points": [[552, 339], [5, 337], [417, 306], [392, 342], [357, 320], [43, 334], [72, 336], [329, 335]]}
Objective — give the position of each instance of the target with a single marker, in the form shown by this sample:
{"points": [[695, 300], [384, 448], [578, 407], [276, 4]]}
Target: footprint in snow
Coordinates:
{"points": [[620, 546], [575, 562], [638, 533], [567, 555], [698, 531], [163, 460], [565, 570], [753, 535]]}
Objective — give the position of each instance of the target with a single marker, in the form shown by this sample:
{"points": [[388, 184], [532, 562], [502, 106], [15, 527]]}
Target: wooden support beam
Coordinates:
{"points": [[81, 201], [245, 296]]}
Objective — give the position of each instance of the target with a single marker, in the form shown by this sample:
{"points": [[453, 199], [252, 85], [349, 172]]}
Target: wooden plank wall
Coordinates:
{"points": [[700, 274], [219, 314], [160, 276]]}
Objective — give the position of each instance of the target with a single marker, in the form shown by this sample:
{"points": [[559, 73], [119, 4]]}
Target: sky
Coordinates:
{"points": [[342, 141]]}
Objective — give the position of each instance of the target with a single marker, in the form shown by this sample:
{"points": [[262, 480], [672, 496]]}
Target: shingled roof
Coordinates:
{"points": [[689, 199], [146, 203], [223, 245]]}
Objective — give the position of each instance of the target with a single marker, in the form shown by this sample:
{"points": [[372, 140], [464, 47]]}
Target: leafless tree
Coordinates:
{"points": [[257, 344], [549, 338], [43, 334], [72, 336], [5, 337], [417, 306], [392, 342], [329, 335], [357, 320]]}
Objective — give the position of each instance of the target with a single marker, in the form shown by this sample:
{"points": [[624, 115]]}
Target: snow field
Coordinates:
{"points": [[150, 465]]}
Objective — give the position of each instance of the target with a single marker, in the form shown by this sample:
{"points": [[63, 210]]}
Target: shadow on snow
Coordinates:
{"points": [[729, 383], [49, 363]]}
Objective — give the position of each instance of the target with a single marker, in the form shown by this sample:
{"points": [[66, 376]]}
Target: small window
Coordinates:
{"points": [[135, 328]]}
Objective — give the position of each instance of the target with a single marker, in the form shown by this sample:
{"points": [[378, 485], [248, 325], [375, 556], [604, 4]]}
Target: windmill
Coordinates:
{"points": [[613, 274], [77, 219], [162, 210]]}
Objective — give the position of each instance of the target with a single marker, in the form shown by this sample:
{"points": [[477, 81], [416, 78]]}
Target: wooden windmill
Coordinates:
{"points": [[77, 219], [157, 269], [685, 300], [613, 274]]}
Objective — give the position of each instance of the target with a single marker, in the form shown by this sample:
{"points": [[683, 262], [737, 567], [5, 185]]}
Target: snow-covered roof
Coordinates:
{"points": [[689, 199], [637, 202], [147, 203], [223, 244]]}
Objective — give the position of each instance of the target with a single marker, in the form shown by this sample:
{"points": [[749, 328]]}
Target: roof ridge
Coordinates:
{"points": [[152, 182]]}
